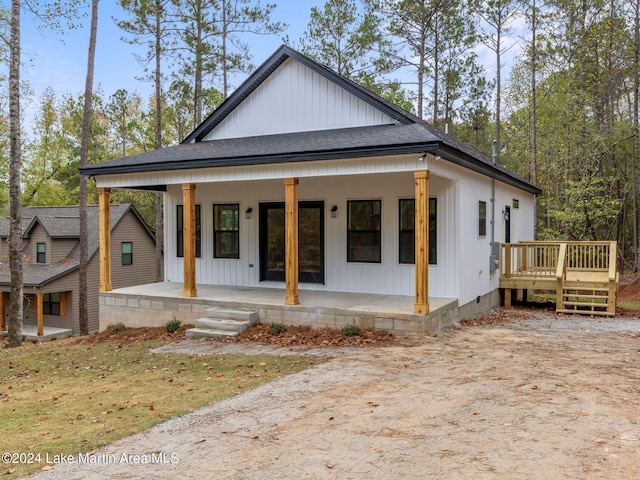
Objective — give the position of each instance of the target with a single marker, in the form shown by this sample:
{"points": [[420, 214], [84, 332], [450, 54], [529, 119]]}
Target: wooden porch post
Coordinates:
{"points": [[189, 235], [39, 313], [291, 240], [104, 199], [3, 312], [422, 241]]}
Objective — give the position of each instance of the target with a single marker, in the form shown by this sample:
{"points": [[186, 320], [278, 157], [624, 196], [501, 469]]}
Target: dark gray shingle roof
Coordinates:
{"points": [[410, 134], [59, 222]]}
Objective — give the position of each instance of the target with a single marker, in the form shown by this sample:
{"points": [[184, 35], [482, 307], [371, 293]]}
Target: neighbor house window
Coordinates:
{"points": [[180, 231], [407, 231], [127, 253], [41, 252], [482, 219], [226, 231], [51, 304], [363, 231]]}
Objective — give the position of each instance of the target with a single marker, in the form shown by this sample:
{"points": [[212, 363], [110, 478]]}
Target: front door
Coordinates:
{"points": [[310, 242]]}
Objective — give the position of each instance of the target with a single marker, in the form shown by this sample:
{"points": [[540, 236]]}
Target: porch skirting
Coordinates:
{"points": [[156, 304]]}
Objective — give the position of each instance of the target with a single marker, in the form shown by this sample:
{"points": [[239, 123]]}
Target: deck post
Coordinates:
{"points": [[189, 236], [3, 312], [104, 200], [291, 240], [39, 313], [421, 178]]}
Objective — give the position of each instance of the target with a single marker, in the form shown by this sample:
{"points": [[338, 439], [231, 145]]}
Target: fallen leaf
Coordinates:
{"points": [[151, 407], [373, 404], [254, 436], [330, 465], [583, 414], [534, 387]]}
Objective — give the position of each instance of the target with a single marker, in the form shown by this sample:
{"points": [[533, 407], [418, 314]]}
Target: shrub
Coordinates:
{"points": [[350, 330], [277, 328], [173, 325], [118, 327]]}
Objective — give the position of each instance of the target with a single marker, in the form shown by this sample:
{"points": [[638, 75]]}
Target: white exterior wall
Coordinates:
{"points": [[294, 98], [387, 277]]}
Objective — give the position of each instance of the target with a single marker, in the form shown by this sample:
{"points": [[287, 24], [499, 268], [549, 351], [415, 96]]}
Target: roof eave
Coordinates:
{"points": [[372, 151]]}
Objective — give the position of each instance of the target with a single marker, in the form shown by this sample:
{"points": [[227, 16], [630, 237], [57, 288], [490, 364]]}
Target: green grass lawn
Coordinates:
{"points": [[61, 398]]}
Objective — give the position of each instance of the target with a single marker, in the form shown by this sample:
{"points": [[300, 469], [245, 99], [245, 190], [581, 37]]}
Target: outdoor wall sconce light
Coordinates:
{"points": [[247, 212], [334, 211], [422, 157], [505, 215]]}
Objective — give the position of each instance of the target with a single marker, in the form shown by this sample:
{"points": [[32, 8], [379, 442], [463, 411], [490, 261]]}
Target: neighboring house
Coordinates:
{"points": [[297, 133], [51, 252]]}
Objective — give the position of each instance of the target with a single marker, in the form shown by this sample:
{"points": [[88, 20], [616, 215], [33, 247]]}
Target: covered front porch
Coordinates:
{"points": [[155, 304]]}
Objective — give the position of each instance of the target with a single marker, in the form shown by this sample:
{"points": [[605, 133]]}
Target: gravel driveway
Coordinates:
{"points": [[541, 397]]}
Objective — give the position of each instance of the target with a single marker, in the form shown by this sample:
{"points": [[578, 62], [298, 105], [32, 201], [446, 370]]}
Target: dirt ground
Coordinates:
{"points": [[519, 394]]}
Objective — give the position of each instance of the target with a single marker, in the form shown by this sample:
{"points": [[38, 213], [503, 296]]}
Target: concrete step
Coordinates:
{"points": [[245, 315], [209, 333], [222, 324]]}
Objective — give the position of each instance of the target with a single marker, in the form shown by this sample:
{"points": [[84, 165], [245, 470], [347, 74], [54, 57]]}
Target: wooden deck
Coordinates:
{"points": [[582, 274]]}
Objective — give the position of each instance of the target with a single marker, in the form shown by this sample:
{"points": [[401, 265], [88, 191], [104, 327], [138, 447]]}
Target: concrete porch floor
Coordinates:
{"points": [[30, 332], [155, 304]]}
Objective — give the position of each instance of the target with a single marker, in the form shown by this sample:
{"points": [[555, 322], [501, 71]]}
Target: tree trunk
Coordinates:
{"points": [[15, 234], [534, 120], [84, 156], [158, 78], [636, 88]]}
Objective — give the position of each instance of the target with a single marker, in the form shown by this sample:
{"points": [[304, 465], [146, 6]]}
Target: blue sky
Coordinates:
{"points": [[59, 61]]}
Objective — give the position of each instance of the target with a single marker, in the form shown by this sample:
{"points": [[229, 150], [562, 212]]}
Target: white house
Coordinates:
{"points": [[304, 181]]}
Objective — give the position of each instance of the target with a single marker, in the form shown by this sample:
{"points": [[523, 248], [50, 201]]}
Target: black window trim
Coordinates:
{"points": [[40, 259], [378, 232], [180, 231], [48, 306], [482, 220], [215, 232], [433, 234], [130, 254]]}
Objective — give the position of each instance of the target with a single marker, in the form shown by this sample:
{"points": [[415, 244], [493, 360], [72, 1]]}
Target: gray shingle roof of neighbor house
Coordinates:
{"points": [[409, 134], [59, 222]]}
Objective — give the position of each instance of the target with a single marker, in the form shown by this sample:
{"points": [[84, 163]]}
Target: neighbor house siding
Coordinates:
{"points": [[143, 269], [39, 235], [295, 98], [60, 248], [68, 284]]}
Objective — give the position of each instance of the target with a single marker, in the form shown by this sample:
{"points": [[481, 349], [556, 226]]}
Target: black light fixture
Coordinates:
{"points": [[422, 157], [334, 211], [247, 212]]}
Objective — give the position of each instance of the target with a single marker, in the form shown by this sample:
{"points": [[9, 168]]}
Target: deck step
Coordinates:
{"points": [[587, 312], [222, 324], [219, 323], [209, 333], [247, 315]]}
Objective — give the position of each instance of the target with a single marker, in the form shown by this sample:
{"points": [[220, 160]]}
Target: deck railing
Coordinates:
{"points": [[540, 259], [582, 273]]}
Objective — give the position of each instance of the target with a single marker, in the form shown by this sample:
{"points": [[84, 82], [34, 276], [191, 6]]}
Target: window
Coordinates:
{"points": [[180, 231], [127, 253], [482, 219], [516, 203], [363, 231], [41, 252], [51, 304], [407, 231], [226, 231]]}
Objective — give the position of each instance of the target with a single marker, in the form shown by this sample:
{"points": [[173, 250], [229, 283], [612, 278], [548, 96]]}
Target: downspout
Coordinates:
{"points": [[493, 258]]}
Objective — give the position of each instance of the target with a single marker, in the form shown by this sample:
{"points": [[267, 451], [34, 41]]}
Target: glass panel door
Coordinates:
{"points": [[310, 242]]}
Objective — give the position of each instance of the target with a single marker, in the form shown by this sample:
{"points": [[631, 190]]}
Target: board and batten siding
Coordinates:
{"points": [[387, 277], [294, 98]]}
